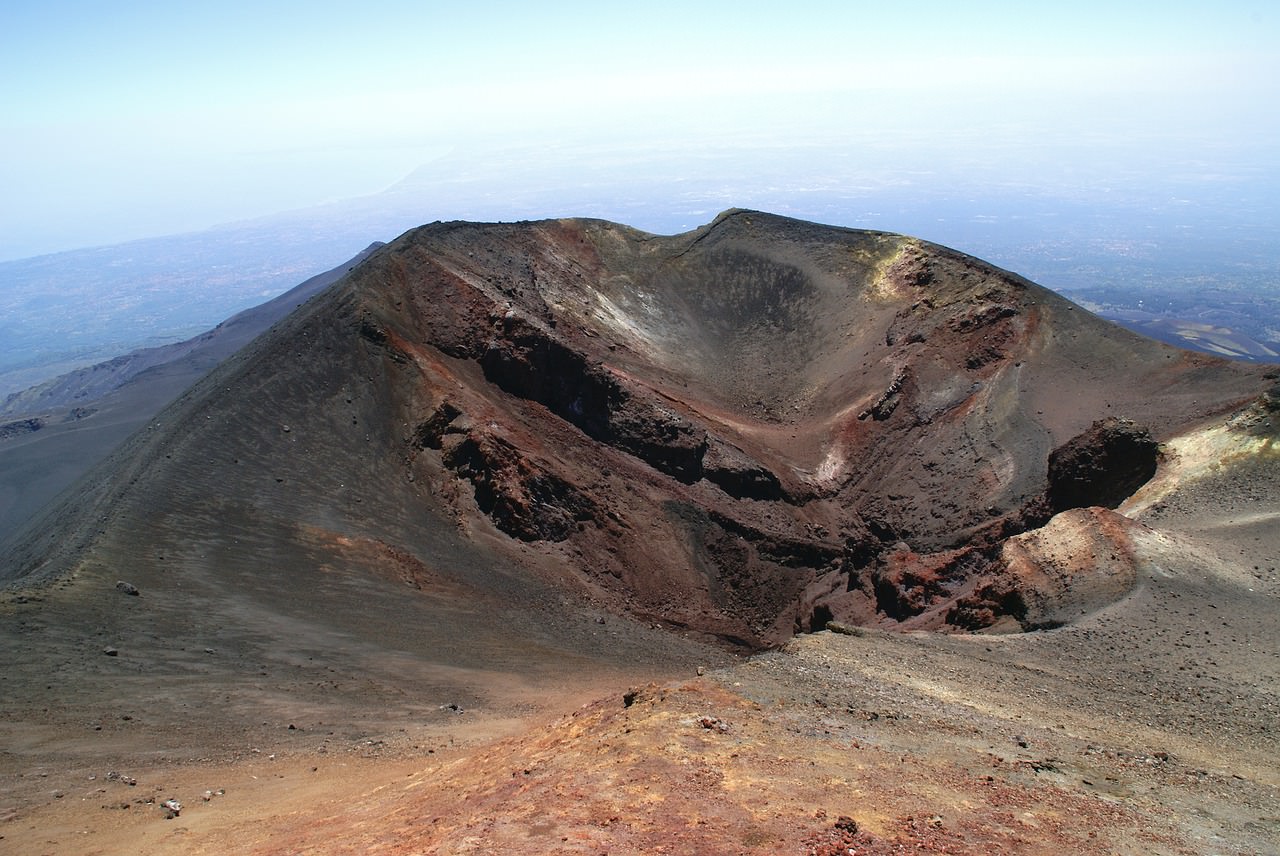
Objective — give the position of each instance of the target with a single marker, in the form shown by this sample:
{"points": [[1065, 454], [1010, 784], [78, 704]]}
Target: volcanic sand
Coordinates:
{"points": [[1147, 727]]}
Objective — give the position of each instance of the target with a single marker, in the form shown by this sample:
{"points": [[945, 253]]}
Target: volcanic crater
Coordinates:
{"points": [[745, 432]]}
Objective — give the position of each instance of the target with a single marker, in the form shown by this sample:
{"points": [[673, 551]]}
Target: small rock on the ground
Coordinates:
{"points": [[712, 723]]}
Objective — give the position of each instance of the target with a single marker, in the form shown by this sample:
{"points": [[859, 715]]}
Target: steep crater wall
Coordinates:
{"points": [[839, 433]]}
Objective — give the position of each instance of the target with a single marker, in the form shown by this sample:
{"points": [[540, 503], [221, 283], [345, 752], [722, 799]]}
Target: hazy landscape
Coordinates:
{"points": [[530, 428], [1184, 242]]}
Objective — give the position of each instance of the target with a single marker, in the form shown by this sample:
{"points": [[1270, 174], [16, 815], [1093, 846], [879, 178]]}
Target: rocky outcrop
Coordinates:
{"points": [[737, 474], [518, 493], [1102, 467], [18, 427], [526, 361]]}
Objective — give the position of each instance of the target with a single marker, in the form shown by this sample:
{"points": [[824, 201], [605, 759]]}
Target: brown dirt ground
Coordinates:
{"points": [[1147, 727]]}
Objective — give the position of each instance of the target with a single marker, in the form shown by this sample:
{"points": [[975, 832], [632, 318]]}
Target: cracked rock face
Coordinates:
{"points": [[746, 431]]}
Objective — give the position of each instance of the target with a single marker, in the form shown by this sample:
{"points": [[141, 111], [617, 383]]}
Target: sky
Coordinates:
{"points": [[126, 120]]}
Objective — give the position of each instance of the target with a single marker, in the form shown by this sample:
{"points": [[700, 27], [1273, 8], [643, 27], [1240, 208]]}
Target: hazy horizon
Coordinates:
{"points": [[1119, 155], [142, 120]]}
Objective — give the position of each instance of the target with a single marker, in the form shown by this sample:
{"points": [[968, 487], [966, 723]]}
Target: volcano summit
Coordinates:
{"points": [[487, 442]]}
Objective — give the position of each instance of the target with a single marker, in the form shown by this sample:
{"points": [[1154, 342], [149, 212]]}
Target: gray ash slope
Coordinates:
{"points": [[56, 431]]}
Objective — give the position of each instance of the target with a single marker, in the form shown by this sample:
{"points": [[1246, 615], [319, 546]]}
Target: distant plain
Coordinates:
{"points": [[1190, 242]]}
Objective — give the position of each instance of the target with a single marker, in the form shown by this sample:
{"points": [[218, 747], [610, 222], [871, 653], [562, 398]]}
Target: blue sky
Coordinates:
{"points": [[124, 120]]}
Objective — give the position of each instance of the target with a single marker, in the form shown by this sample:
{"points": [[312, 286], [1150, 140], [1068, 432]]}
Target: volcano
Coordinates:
{"points": [[743, 432], [570, 448]]}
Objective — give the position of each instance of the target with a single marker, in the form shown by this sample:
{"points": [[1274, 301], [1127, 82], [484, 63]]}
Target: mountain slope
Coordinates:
{"points": [[55, 431]]}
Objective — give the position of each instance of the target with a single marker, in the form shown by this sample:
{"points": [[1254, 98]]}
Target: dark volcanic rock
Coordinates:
{"points": [[1103, 466], [19, 427], [738, 475], [530, 363], [520, 496]]}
